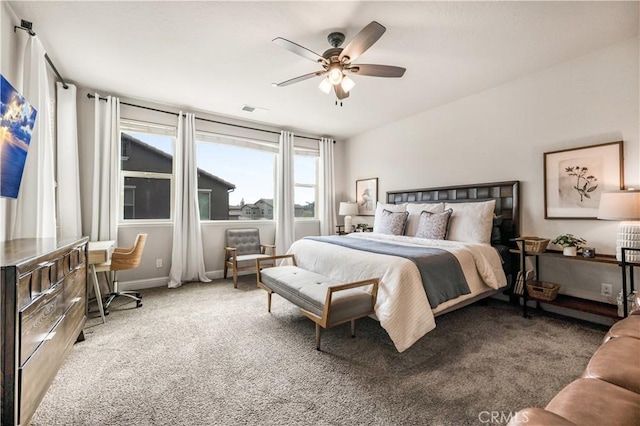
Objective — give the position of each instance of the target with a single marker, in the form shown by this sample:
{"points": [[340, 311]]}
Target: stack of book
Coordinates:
{"points": [[518, 287]]}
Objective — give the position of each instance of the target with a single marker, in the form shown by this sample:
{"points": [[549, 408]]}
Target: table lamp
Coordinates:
{"points": [[347, 209], [624, 206]]}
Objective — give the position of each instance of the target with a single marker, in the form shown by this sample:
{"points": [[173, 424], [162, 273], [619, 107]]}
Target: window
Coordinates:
{"points": [[305, 188], [146, 170], [239, 175], [129, 202], [204, 201]]}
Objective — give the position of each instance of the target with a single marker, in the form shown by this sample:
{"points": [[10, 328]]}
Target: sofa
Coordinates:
{"points": [[607, 393]]}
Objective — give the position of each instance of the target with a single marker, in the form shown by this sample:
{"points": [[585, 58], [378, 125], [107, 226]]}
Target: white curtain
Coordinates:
{"points": [[187, 257], [327, 197], [284, 196], [35, 215], [106, 167], [69, 218]]}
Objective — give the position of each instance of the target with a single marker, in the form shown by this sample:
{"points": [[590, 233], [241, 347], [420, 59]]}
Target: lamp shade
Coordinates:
{"points": [[619, 205], [348, 209]]}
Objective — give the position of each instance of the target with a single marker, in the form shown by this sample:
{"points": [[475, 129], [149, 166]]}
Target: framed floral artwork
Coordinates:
{"points": [[367, 196], [575, 178]]}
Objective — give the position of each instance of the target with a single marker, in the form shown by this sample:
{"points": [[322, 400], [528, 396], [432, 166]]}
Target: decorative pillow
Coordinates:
{"points": [[471, 222], [496, 235], [392, 223], [389, 207], [434, 225], [415, 210]]}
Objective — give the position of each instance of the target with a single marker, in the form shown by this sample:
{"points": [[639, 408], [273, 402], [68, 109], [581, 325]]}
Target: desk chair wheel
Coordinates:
{"points": [[138, 304]]}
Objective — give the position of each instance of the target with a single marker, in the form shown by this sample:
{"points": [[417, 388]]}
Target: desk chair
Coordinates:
{"points": [[121, 259], [242, 248]]}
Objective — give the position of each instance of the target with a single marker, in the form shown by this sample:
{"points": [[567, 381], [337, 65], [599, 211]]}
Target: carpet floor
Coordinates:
{"points": [[209, 354]]}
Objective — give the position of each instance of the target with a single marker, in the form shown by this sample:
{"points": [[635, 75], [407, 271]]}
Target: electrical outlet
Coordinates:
{"points": [[607, 290], [158, 263]]}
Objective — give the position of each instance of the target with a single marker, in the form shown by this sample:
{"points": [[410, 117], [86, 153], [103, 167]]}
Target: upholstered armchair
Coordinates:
{"points": [[242, 248]]}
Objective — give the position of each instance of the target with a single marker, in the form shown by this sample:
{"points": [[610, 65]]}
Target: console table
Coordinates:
{"points": [[571, 302]]}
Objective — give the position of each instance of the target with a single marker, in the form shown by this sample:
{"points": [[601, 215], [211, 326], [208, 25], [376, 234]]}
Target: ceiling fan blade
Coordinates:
{"points": [[300, 78], [363, 40], [377, 70], [341, 94], [298, 50]]}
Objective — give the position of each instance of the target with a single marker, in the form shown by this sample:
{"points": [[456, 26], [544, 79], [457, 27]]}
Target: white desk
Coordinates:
{"points": [[99, 252]]}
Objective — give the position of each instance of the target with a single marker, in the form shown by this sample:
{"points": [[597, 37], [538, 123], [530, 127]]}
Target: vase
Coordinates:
{"points": [[569, 251]]}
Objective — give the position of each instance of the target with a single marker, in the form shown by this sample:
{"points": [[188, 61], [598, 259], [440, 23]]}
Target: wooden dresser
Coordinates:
{"points": [[43, 295]]}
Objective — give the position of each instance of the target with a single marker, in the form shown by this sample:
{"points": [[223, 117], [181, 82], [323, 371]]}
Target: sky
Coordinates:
{"points": [[250, 170]]}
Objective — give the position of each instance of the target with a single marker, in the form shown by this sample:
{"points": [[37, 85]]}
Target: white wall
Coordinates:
{"points": [[502, 133], [9, 69]]}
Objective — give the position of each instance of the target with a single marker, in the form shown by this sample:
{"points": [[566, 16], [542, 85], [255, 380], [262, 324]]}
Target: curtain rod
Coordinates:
{"points": [[27, 26], [91, 96]]}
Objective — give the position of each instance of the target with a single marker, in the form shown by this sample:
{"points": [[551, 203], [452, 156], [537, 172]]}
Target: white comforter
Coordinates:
{"points": [[402, 307]]}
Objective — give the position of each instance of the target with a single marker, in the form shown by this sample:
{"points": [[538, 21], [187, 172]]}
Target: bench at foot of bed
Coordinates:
{"points": [[323, 300]]}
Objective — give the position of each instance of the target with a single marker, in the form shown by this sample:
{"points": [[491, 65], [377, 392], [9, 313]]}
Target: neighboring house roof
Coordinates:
{"points": [[148, 147], [268, 201]]}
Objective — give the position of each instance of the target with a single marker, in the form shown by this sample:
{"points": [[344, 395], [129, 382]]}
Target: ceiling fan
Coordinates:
{"points": [[337, 63]]}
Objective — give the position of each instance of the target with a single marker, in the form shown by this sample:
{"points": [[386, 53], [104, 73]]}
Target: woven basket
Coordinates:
{"points": [[542, 290], [533, 244]]}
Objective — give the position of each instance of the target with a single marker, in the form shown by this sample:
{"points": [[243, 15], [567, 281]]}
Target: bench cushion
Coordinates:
{"points": [[308, 290]]}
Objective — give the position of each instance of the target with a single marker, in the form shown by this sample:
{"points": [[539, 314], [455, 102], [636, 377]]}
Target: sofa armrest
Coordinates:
{"points": [[538, 417]]}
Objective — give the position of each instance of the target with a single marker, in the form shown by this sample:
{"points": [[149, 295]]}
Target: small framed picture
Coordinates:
{"points": [[574, 179], [367, 196]]}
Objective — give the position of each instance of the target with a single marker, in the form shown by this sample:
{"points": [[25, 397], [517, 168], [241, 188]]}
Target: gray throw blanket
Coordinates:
{"points": [[441, 273]]}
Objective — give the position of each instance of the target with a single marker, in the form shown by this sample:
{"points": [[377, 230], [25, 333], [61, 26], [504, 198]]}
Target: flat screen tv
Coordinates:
{"points": [[16, 125]]}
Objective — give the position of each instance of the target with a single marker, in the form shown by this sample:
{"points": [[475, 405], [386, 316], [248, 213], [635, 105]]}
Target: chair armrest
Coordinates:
{"points": [[264, 247]]}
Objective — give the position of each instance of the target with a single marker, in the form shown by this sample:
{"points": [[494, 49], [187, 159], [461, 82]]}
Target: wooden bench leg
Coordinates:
{"points": [[353, 328], [317, 336]]}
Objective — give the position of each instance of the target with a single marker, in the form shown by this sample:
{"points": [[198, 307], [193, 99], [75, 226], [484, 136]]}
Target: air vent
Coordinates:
{"points": [[254, 109]]}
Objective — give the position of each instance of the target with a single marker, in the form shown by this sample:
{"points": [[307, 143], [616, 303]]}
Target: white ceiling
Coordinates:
{"points": [[216, 56]]}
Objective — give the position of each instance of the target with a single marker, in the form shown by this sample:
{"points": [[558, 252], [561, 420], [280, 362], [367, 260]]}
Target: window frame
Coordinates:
{"points": [[308, 152], [139, 126]]}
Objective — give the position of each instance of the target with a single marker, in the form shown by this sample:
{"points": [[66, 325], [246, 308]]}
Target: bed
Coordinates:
{"points": [[415, 270]]}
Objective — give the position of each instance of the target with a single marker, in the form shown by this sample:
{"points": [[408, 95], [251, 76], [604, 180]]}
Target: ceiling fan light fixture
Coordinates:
{"points": [[335, 74], [347, 83], [325, 85]]}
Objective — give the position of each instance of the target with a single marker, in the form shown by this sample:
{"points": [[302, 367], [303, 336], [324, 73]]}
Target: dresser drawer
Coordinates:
{"points": [[75, 286], [38, 372], [24, 289], [37, 319]]}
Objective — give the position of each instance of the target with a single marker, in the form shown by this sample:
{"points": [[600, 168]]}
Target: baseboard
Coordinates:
{"points": [[162, 281]]}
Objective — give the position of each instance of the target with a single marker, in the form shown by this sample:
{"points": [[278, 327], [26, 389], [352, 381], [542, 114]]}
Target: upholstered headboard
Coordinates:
{"points": [[506, 195]]}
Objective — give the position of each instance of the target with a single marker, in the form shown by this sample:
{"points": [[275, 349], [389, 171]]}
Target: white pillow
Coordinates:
{"points": [[471, 222], [414, 215], [388, 207]]}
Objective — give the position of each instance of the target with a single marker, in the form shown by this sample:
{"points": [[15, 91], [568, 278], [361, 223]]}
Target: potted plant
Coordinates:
{"points": [[570, 243]]}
